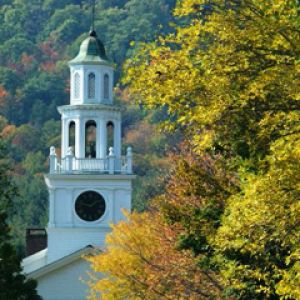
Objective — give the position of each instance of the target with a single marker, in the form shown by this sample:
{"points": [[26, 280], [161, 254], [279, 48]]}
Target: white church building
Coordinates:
{"points": [[89, 184]]}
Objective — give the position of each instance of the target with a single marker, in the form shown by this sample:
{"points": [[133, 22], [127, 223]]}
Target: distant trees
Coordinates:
{"points": [[38, 38]]}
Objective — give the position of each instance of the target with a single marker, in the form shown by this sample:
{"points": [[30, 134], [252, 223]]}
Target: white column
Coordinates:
{"points": [[64, 137], [98, 135], [81, 141], [103, 139], [77, 138], [117, 138]]}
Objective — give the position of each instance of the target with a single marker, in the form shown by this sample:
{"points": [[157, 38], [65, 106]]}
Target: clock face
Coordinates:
{"points": [[90, 206]]}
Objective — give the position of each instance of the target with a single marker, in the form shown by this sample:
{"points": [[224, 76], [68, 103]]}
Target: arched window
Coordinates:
{"points": [[76, 85], [90, 139], [72, 135], [91, 86], [106, 87], [110, 135]]}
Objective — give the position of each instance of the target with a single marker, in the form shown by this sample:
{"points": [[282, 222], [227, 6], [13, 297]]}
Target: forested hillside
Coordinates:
{"points": [[37, 38]]}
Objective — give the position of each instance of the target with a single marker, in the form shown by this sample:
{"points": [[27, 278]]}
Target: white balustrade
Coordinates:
{"points": [[73, 165]]}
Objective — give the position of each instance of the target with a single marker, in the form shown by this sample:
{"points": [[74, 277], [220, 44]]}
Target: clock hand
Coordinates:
{"points": [[90, 205], [95, 202]]}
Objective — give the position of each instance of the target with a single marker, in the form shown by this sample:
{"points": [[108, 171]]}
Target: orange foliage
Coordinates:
{"points": [[8, 131], [3, 96], [142, 262], [47, 49], [139, 137], [3, 92], [27, 59], [48, 66], [123, 94]]}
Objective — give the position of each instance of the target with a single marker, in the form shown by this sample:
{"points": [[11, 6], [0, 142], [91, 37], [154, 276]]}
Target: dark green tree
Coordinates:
{"points": [[13, 284]]}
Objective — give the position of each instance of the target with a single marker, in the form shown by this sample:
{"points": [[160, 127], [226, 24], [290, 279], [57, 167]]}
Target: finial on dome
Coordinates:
{"points": [[93, 4], [92, 49], [92, 32]]}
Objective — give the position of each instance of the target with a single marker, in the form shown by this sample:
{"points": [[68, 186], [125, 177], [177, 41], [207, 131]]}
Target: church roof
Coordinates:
{"points": [[30, 261], [91, 51]]}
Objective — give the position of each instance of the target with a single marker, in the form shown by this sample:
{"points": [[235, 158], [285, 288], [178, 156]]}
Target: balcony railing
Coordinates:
{"points": [[73, 165]]}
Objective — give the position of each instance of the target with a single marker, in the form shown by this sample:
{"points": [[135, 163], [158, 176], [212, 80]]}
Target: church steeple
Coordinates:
{"points": [[90, 183], [91, 118], [91, 164]]}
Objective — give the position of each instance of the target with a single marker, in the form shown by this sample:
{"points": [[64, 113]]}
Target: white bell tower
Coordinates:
{"points": [[90, 183]]}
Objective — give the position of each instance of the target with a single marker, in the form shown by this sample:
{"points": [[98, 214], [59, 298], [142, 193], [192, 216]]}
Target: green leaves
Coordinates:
{"points": [[13, 284], [229, 78]]}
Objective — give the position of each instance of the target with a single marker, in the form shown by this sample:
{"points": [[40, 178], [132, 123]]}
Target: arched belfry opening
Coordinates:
{"points": [[90, 139], [106, 87], [91, 86], [72, 135], [110, 134]]}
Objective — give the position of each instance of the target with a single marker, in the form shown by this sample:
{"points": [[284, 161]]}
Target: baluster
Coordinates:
{"points": [[53, 160], [129, 160], [69, 160], [111, 161]]}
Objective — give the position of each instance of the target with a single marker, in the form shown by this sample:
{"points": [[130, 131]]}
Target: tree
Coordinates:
{"points": [[229, 77], [13, 49], [25, 139], [13, 284], [260, 234], [141, 262]]}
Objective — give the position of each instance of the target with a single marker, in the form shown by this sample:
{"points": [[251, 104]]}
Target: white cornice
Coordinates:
{"points": [[101, 177], [89, 107]]}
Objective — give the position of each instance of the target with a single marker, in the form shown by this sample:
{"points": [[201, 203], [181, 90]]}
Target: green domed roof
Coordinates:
{"points": [[91, 51]]}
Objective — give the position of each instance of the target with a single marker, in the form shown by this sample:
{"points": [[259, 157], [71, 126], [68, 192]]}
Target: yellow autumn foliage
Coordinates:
{"points": [[263, 224], [229, 76], [233, 67], [141, 262]]}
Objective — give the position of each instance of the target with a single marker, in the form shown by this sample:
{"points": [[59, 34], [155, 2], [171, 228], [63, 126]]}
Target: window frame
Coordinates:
{"points": [[91, 80]]}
